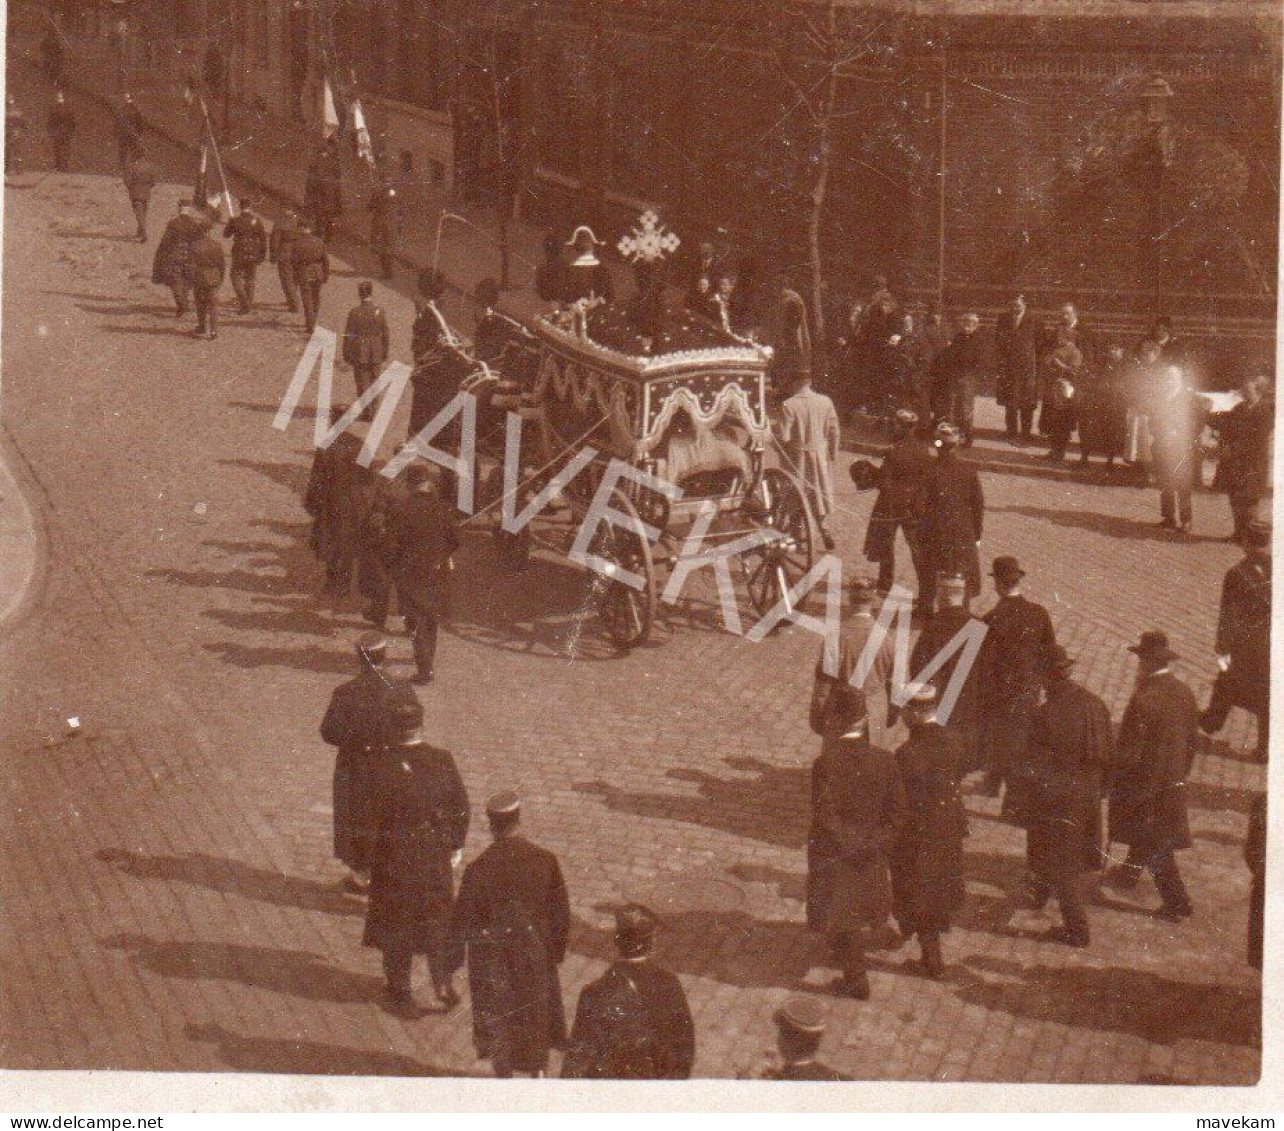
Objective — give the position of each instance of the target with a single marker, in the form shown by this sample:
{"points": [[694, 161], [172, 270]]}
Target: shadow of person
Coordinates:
{"points": [[295, 973], [1111, 525], [235, 877], [291, 1056]]}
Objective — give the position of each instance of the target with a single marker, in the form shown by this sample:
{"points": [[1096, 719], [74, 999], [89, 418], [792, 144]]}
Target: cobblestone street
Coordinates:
{"points": [[171, 901]]}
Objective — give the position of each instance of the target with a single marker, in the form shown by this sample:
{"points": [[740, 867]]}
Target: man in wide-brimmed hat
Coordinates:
{"points": [[1157, 741]]}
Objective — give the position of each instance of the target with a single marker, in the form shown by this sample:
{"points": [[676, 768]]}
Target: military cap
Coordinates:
{"points": [[634, 926], [947, 436], [503, 804], [1007, 568], [802, 1015], [1153, 646], [372, 644]]}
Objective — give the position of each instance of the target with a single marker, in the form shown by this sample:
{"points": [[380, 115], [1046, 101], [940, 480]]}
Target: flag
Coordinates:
{"points": [[364, 149], [329, 116]]}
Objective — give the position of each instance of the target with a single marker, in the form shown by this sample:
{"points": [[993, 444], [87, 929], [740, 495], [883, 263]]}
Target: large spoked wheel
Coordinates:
{"points": [[627, 612], [780, 504]]}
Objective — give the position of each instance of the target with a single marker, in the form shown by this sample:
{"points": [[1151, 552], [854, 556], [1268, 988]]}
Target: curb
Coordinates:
{"points": [[21, 543]]}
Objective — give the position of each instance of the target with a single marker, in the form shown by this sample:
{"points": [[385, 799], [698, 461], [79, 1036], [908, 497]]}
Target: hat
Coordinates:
{"points": [[372, 644], [1059, 660], [1256, 534], [803, 1015], [504, 804], [1007, 569], [947, 436], [864, 474], [634, 928], [583, 237], [1153, 646], [365, 288], [906, 416]]}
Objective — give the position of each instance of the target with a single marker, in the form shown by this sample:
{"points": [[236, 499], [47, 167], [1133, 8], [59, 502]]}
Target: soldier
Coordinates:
{"points": [[1018, 645], [355, 723], [129, 125], [800, 1027], [376, 560], [140, 177], [171, 265], [285, 233], [62, 128], [632, 1023], [953, 514], [207, 265], [902, 490], [385, 220], [365, 342], [1244, 639], [249, 248], [950, 618], [338, 497], [1066, 768], [425, 535], [514, 916], [927, 859], [1016, 350], [311, 268], [423, 822], [1148, 793], [858, 669], [858, 809], [323, 191], [808, 439]]}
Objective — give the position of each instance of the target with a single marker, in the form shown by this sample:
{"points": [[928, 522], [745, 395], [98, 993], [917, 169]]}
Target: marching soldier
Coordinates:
{"points": [[808, 439], [858, 808], [140, 177], [62, 128], [1067, 767], [285, 234], [902, 490], [800, 1027], [311, 269], [423, 822], [207, 266], [514, 916], [1018, 646], [355, 723], [249, 248], [425, 536], [632, 1023], [385, 220], [953, 514], [950, 618], [1244, 639], [1148, 794], [836, 684], [365, 341]]}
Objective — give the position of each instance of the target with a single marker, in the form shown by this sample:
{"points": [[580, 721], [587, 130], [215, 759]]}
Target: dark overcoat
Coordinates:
{"points": [[310, 259], [354, 723], [1247, 435], [902, 494], [964, 719], [1016, 355], [207, 263], [365, 335], [953, 515], [632, 1023], [249, 239], [839, 696], [1155, 752], [927, 858], [170, 264], [858, 809], [426, 535], [514, 916], [338, 497], [1244, 632]]}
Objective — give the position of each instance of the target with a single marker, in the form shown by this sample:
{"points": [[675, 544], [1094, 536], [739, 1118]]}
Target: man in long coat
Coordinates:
{"points": [[927, 858], [790, 338], [355, 723], [840, 681], [857, 811], [323, 191], [249, 248], [514, 916], [957, 376], [1157, 743], [1244, 639], [1176, 418], [377, 558], [953, 514], [902, 493], [365, 341], [1066, 768], [171, 265], [950, 618], [338, 495], [425, 534], [809, 438], [632, 1023], [1016, 352], [423, 821], [1245, 467], [285, 233], [1019, 644]]}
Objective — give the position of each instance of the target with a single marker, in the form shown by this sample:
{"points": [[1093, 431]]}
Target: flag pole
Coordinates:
{"points": [[218, 161]]}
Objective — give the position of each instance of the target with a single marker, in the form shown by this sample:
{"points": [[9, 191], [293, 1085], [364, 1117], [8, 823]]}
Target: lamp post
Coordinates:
{"points": [[1156, 99]]}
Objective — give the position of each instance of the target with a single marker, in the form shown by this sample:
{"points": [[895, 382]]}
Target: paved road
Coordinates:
{"points": [[171, 899]]}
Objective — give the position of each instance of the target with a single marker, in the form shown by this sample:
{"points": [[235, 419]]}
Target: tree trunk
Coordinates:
{"points": [[816, 220]]}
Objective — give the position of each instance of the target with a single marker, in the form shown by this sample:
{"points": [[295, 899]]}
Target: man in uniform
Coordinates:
{"points": [[311, 263], [208, 266], [62, 128], [422, 824], [1014, 660], [1016, 352], [355, 723], [953, 514], [949, 619], [927, 858], [837, 680], [957, 374], [857, 811], [808, 438], [323, 190], [1148, 794], [249, 249], [1066, 769], [514, 916], [385, 220], [1244, 639], [365, 342], [902, 490], [285, 233], [800, 1027], [339, 494], [632, 1023], [140, 177], [171, 265], [425, 535], [377, 559]]}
